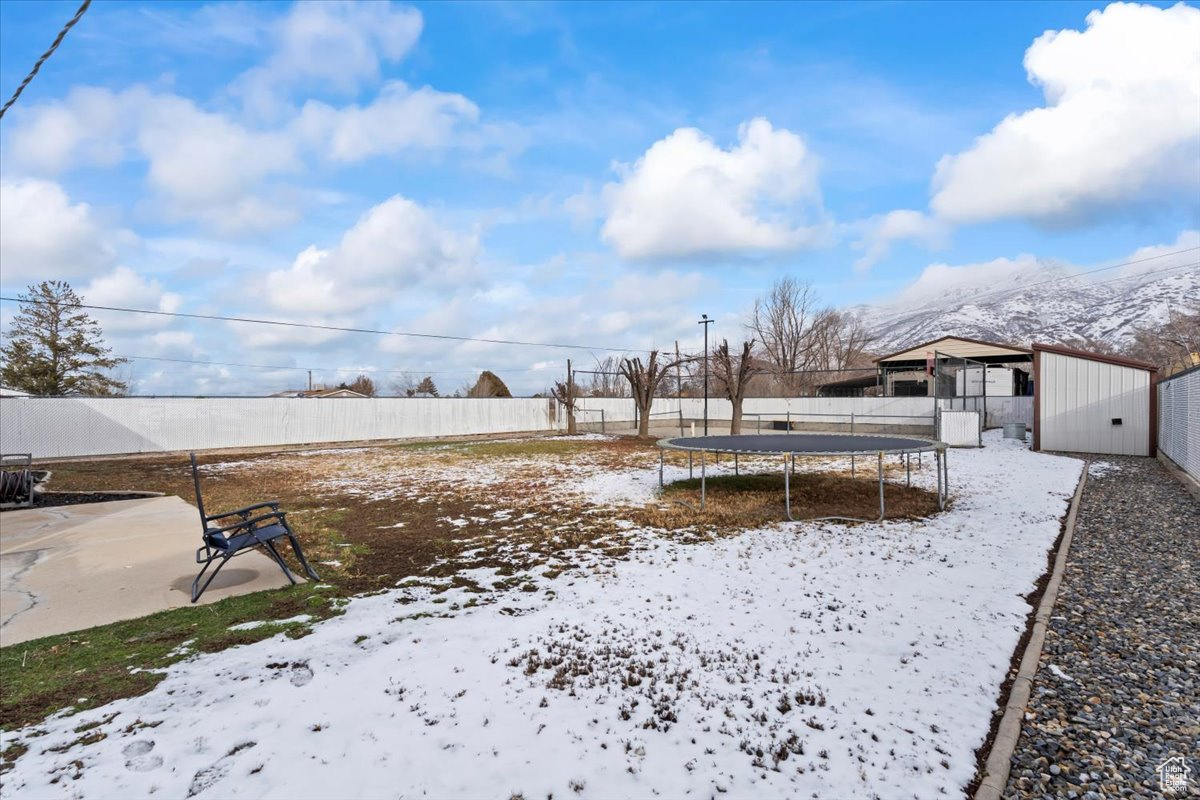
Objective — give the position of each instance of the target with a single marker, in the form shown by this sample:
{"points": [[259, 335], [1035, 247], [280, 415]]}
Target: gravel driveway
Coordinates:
{"points": [[1118, 686]]}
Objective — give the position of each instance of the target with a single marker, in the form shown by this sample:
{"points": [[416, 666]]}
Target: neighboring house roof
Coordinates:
{"points": [[1103, 359], [959, 346], [7, 392], [323, 393]]}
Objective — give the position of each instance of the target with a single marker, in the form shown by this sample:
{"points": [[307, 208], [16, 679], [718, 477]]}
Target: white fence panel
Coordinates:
{"points": [[999, 409], [959, 428], [66, 427], [1179, 420], [907, 411]]}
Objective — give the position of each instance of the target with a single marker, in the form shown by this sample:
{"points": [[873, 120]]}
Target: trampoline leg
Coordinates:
{"points": [[881, 487], [690, 476], [735, 464], [946, 470], [660, 468], [702, 480], [787, 488], [937, 457], [907, 470], [852, 465]]}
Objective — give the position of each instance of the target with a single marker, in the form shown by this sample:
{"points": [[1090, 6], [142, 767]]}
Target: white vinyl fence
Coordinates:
{"points": [[1000, 409], [66, 427], [58, 427], [765, 411], [1179, 420]]}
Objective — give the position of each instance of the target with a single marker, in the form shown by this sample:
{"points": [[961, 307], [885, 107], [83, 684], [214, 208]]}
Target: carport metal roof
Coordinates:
{"points": [[958, 346]]}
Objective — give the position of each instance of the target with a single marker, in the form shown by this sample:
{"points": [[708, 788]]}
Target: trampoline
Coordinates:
{"points": [[791, 445]]}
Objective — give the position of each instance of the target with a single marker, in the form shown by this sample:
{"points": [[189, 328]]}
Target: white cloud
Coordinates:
{"points": [[894, 226], [396, 244], [1184, 251], [44, 236], [209, 166], [1121, 124], [399, 118], [124, 288], [688, 196], [91, 127], [337, 46]]}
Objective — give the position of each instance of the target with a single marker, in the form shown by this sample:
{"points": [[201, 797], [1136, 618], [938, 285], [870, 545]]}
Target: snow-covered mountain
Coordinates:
{"points": [[1027, 299]]}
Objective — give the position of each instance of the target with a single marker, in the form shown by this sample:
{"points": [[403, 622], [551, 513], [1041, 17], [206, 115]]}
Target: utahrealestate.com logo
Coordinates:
{"points": [[1173, 774]]}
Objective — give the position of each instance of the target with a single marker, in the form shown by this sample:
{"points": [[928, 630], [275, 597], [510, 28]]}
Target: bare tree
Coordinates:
{"points": [[362, 384], [839, 343], [405, 385], [567, 394], [607, 380], [783, 323], [732, 375], [1174, 344], [644, 383]]}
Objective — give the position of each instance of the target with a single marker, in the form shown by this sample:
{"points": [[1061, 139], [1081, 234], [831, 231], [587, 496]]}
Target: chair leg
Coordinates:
{"points": [[274, 553], [207, 564], [308, 570]]}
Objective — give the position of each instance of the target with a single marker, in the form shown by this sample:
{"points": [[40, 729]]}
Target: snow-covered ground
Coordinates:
{"points": [[793, 660]]}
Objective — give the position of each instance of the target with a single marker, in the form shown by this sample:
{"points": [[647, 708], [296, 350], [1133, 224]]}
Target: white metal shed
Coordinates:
{"points": [[1090, 403]]}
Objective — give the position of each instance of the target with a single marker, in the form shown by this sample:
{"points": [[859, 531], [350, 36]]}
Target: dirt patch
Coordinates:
{"points": [[735, 503]]}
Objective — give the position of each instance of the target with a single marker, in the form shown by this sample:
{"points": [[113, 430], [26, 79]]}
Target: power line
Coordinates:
{"points": [[1122, 264], [1163, 271], [314, 326], [57, 41]]}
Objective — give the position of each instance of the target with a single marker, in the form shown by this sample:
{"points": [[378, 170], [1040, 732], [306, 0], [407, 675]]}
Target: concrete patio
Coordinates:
{"points": [[69, 568]]}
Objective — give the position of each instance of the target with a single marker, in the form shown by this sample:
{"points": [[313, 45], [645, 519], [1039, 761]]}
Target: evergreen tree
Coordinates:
{"points": [[426, 386], [54, 348]]}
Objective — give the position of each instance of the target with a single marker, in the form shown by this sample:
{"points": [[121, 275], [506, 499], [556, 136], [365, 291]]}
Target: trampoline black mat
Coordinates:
{"points": [[810, 443]]}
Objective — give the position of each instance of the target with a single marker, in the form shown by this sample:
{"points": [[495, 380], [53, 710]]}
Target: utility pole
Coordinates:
{"points": [[571, 429], [310, 380], [678, 376], [705, 321]]}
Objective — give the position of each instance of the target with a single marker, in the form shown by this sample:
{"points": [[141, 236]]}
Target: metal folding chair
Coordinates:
{"points": [[249, 531]]}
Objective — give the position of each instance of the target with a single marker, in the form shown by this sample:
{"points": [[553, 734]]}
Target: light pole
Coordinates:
{"points": [[705, 321]]}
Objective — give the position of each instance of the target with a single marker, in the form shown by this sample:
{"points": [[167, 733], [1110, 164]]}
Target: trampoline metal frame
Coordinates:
{"points": [[789, 466]]}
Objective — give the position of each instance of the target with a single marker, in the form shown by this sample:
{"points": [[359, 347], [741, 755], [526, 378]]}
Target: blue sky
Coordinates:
{"points": [[587, 173]]}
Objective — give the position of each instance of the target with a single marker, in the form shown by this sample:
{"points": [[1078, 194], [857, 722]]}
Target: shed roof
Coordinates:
{"points": [[959, 346], [1090, 356]]}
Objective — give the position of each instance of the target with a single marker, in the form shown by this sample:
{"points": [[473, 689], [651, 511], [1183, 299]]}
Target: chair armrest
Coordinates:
{"points": [[272, 504], [247, 523]]}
